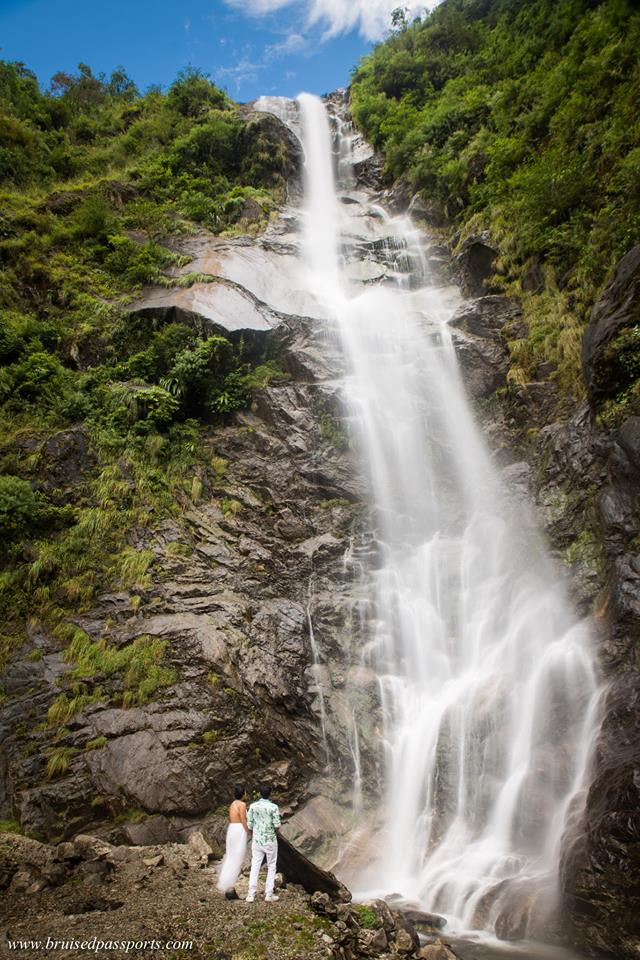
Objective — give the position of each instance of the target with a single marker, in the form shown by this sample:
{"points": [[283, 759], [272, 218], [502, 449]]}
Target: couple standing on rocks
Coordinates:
{"points": [[261, 821]]}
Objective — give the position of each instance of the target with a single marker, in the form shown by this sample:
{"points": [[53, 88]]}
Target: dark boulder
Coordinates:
{"points": [[369, 172], [483, 364], [64, 460], [610, 354], [475, 263], [298, 869], [420, 918]]}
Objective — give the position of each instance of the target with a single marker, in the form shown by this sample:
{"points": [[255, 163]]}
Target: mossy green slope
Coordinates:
{"points": [[96, 182], [520, 118]]}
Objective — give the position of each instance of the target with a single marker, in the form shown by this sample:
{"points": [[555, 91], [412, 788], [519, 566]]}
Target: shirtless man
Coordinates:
{"points": [[237, 833]]}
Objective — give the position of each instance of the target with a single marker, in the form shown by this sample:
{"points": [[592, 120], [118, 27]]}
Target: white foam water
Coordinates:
{"points": [[486, 677]]}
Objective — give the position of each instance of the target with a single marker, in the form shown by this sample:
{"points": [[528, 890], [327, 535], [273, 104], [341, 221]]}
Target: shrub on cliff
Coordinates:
{"points": [[21, 508]]}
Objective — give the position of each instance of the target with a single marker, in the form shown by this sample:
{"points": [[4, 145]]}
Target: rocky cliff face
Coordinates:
{"points": [[238, 578], [252, 596]]}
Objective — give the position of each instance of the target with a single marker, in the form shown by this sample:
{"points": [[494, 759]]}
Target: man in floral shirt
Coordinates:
{"points": [[263, 818]]}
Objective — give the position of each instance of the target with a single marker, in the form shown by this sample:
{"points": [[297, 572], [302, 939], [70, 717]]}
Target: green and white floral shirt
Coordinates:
{"points": [[263, 818]]}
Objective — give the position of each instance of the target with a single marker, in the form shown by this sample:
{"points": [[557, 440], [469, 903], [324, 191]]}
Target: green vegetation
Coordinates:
{"points": [[367, 917], [59, 759], [210, 736], [520, 119], [139, 664], [291, 933], [131, 815], [230, 507], [96, 743], [10, 826], [64, 707], [95, 181]]}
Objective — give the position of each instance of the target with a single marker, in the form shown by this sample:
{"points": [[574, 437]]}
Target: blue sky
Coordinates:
{"points": [[251, 47]]}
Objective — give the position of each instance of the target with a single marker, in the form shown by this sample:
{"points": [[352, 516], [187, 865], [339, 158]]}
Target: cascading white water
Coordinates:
{"points": [[486, 679]]}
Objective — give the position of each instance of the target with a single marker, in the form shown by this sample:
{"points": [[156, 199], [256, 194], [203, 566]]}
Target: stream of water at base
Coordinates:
{"points": [[488, 694], [479, 949]]}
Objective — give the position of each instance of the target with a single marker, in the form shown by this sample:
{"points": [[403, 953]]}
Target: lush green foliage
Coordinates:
{"points": [[520, 118], [95, 181]]}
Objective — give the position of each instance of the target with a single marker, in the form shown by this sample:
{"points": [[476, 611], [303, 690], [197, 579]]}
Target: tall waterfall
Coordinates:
{"points": [[487, 685]]}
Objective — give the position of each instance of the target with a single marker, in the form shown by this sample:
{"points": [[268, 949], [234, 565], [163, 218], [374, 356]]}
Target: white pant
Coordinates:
{"points": [[258, 852]]}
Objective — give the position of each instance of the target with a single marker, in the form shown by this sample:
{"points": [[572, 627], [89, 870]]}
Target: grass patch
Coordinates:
{"points": [[96, 743], [367, 917], [10, 826], [59, 759]]}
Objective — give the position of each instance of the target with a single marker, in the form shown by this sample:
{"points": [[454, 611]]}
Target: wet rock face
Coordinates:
{"points": [[599, 868], [611, 342], [480, 328]]}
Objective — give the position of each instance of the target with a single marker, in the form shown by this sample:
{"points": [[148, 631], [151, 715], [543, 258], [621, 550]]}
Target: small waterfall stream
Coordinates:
{"points": [[487, 686]]}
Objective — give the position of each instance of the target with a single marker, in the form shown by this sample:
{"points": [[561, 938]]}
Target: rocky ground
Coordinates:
{"points": [[149, 897]]}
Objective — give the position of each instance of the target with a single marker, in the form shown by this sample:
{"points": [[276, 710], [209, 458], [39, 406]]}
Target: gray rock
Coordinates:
{"points": [[487, 316], [150, 831], [436, 951], [475, 263], [608, 347]]}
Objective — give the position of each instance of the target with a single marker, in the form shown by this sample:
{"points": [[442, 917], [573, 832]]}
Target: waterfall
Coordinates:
{"points": [[487, 688]]}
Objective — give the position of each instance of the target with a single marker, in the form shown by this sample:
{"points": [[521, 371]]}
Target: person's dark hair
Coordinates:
{"points": [[265, 791], [238, 792]]}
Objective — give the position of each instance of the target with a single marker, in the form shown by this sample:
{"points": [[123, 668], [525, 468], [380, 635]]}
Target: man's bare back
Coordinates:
{"points": [[238, 813]]}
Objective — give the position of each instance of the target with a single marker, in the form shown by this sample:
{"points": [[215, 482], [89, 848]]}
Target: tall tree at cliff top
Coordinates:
{"points": [[523, 119]]}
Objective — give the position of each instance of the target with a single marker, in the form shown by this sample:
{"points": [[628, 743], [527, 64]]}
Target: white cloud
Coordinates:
{"points": [[247, 69], [244, 71], [292, 43], [371, 17]]}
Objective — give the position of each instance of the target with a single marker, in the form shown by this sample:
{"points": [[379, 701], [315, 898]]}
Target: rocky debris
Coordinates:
{"points": [[64, 460], [484, 365], [162, 893], [474, 261], [610, 343], [374, 929], [88, 888], [429, 210], [200, 846], [420, 918], [399, 196], [369, 171]]}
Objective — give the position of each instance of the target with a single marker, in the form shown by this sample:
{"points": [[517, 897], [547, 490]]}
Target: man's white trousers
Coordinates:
{"points": [[258, 852]]}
